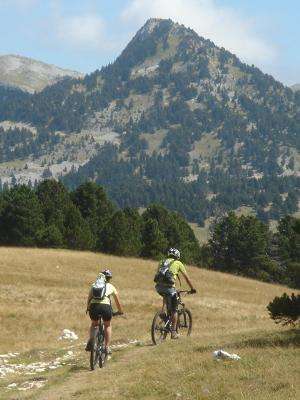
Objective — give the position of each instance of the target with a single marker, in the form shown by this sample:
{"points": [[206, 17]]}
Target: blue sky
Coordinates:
{"points": [[85, 35]]}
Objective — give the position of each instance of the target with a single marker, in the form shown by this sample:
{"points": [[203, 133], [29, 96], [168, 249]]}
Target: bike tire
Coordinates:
{"points": [[102, 358], [94, 355], [158, 325], [185, 322]]}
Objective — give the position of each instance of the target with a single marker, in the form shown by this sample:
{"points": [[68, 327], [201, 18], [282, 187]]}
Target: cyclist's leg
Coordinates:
{"points": [[92, 334], [164, 304], [94, 316], [106, 313], [93, 329], [107, 333], [161, 291], [172, 304]]}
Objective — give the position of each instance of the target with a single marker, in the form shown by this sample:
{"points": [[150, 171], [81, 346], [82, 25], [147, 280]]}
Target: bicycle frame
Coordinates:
{"points": [[162, 321], [180, 302], [180, 308], [98, 353]]}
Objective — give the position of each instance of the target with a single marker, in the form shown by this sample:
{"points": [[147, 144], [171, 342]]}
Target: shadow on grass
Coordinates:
{"points": [[79, 368], [272, 339]]}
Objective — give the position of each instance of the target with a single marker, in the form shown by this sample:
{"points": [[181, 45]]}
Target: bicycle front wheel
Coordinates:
{"points": [[94, 355], [102, 358], [160, 327], [184, 322]]}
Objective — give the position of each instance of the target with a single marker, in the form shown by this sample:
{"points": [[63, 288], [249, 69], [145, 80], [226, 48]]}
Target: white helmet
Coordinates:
{"points": [[174, 253], [107, 273]]}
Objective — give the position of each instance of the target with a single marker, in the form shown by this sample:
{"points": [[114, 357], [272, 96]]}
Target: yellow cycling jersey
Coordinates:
{"points": [[176, 267], [110, 290]]}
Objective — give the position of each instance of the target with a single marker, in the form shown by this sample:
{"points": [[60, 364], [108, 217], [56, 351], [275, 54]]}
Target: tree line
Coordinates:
{"points": [[245, 246], [85, 219], [50, 215]]}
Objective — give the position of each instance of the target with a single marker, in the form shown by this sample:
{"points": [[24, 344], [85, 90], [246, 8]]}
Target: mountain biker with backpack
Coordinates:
{"points": [[165, 279], [99, 305]]}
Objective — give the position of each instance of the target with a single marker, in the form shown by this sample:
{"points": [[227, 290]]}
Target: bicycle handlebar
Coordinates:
{"points": [[117, 313], [185, 291]]}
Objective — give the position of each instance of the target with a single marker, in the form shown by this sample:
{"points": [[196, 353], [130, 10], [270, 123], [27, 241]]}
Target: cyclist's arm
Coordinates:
{"points": [[188, 280], [117, 301]]}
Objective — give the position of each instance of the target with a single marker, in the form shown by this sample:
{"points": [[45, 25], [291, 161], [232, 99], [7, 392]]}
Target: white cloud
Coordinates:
{"points": [[82, 31], [223, 25]]}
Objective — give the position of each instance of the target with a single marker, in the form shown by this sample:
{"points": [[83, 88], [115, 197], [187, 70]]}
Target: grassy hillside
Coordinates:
{"points": [[44, 291]]}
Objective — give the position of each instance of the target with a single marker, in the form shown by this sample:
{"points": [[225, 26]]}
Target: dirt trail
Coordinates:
{"points": [[79, 379]]}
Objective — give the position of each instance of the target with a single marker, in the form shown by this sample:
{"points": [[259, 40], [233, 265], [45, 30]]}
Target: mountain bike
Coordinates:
{"points": [[162, 321], [98, 352]]}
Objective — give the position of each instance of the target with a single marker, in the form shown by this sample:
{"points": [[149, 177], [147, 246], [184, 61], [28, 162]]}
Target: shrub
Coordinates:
{"points": [[285, 309]]}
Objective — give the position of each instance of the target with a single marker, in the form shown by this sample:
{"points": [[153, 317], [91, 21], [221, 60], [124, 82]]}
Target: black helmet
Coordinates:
{"points": [[107, 273]]}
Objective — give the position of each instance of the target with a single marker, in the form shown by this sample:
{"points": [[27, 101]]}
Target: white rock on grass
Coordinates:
{"points": [[68, 335], [6, 370], [9, 355], [32, 385], [12, 386], [223, 355], [36, 367]]}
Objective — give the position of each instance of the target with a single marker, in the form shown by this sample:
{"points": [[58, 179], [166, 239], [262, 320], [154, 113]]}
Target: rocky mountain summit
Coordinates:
{"points": [[30, 75], [175, 119]]}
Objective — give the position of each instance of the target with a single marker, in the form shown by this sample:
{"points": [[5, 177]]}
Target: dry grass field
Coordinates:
{"points": [[44, 291]]}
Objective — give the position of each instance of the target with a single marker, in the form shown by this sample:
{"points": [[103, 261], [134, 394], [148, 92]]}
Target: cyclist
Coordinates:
{"points": [[102, 308], [166, 287]]}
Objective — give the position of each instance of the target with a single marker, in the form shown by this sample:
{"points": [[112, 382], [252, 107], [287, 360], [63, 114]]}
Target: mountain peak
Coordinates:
{"points": [[151, 25], [158, 39]]}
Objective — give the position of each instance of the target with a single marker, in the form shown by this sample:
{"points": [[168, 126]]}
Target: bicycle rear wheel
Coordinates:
{"points": [[184, 322], [94, 355], [160, 327]]}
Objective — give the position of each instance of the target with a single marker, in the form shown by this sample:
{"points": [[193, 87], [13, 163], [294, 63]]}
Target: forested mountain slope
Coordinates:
{"points": [[174, 119]]}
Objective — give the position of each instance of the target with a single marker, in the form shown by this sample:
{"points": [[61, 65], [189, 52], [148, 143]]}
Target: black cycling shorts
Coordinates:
{"points": [[170, 295], [100, 310]]}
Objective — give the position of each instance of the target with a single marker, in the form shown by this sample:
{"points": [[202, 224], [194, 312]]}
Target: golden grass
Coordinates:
{"points": [[206, 147], [44, 291], [201, 233]]}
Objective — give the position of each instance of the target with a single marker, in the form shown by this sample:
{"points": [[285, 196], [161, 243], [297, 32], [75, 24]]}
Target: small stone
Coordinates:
{"points": [[12, 386]]}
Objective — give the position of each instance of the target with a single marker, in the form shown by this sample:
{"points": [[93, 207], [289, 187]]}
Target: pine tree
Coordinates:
{"points": [[240, 244], [21, 218], [175, 231], [154, 242], [54, 199], [51, 236], [122, 234], [94, 206], [77, 233]]}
